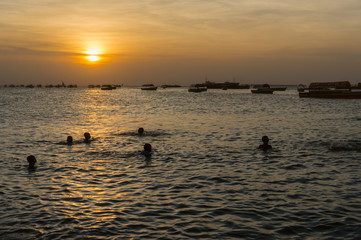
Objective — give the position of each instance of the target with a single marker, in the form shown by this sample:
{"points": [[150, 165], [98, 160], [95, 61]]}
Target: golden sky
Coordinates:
{"points": [[161, 41]]}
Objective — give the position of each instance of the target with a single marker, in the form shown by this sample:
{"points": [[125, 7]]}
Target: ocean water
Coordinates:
{"points": [[206, 178]]}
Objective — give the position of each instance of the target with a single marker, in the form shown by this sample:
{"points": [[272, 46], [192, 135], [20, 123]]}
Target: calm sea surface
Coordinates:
{"points": [[206, 178]]}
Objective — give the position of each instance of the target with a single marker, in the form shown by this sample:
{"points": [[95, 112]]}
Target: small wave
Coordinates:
{"points": [[294, 166], [114, 154], [21, 234], [345, 146]]}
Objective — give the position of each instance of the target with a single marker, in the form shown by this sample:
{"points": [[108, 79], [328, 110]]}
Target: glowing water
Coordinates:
{"points": [[205, 180]]}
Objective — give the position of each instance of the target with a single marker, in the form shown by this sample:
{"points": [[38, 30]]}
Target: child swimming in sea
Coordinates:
{"points": [[147, 150], [31, 160], [265, 146], [87, 137]]}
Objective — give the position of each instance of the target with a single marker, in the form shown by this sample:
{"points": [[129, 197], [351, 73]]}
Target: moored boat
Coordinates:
{"points": [[330, 90], [262, 89], [301, 87], [225, 85], [107, 87], [149, 87], [195, 88]]}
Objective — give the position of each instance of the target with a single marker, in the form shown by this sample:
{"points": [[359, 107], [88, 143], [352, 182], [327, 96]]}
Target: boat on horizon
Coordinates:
{"points": [[225, 85], [262, 89], [196, 88], [149, 87], [301, 87], [107, 87], [341, 89]]}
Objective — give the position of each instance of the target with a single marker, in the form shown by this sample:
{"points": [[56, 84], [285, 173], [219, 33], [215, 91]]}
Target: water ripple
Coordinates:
{"points": [[205, 180]]}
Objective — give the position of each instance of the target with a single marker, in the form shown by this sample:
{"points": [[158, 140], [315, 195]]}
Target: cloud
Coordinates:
{"points": [[15, 50], [201, 30]]}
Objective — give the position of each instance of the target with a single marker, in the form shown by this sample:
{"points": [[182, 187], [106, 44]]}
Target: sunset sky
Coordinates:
{"points": [[179, 42]]}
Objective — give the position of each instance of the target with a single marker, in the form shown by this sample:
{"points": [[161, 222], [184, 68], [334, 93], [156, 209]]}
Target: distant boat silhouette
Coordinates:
{"points": [[149, 87], [107, 87], [330, 90], [262, 89]]}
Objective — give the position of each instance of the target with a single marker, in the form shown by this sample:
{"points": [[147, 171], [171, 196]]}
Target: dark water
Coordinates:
{"points": [[205, 180]]}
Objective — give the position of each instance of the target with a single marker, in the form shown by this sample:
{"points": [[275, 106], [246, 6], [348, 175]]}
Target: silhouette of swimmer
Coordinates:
{"points": [[69, 140], [147, 150], [141, 131], [31, 160], [87, 137], [265, 146]]}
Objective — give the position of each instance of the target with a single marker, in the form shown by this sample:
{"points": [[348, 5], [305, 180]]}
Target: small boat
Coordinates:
{"points": [[107, 87], [330, 90], [301, 87], [194, 88], [148, 87], [225, 85], [262, 89]]}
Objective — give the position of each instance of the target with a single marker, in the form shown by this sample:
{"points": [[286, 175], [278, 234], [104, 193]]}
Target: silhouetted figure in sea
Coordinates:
{"points": [[141, 131], [31, 160], [87, 137], [147, 150], [265, 146], [69, 140]]}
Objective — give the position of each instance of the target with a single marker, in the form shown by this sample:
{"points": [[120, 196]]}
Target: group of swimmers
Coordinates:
{"points": [[147, 152], [87, 139]]}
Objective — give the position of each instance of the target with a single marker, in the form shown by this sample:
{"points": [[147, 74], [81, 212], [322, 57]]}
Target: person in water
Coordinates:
{"points": [[147, 150], [69, 140], [87, 137], [31, 160], [265, 146], [141, 131]]}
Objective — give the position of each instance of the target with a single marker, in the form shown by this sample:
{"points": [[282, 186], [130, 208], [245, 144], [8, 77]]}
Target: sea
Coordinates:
{"points": [[206, 178]]}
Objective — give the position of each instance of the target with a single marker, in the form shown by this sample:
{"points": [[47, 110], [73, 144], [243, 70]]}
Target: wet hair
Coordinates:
{"points": [[140, 130], [87, 135], [31, 160], [265, 146], [69, 139], [147, 147]]}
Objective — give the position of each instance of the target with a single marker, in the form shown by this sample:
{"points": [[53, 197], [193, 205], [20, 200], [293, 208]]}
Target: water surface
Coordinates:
{"points": [[206, 178]]}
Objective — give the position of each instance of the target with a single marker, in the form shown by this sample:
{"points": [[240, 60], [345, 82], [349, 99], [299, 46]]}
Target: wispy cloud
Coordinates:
{"points": [[164, 27]]}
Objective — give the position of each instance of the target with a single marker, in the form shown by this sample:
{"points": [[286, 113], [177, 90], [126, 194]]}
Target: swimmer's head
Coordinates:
{"points": [[31, 160], [87, 135], [147, 147], [69, 139], [141, 131], [265, 139]]}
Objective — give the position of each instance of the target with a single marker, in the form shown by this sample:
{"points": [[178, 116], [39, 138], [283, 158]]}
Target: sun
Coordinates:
{"points": [[93, 55], [92, 58]]}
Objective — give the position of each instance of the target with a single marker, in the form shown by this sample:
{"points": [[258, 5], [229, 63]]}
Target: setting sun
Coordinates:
{"points": [[93, 58], [93, 55]]}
